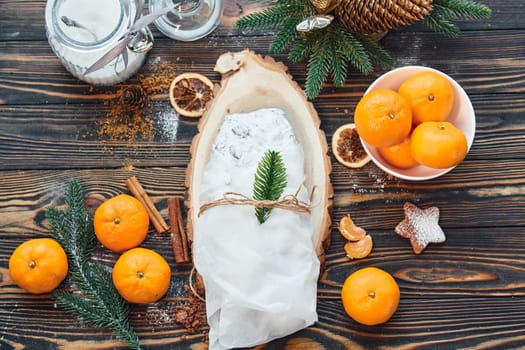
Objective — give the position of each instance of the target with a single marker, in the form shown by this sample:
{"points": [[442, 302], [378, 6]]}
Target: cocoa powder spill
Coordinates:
{"points": [[191, 314]]}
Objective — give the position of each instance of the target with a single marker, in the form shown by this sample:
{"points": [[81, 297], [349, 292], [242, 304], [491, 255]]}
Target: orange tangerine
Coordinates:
{"points": [[121, 223], [370, 296], [383, 118], [399, 155], [38, 265], [438, 145], [430, 96], [141, 276]]}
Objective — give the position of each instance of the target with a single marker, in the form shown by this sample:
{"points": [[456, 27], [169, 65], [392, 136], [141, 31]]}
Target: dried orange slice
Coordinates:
{"points": [[360, 249], [349, 230], [189, 93], [347, 147]]}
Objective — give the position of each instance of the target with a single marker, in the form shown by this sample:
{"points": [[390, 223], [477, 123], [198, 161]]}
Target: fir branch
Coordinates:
{"points": [[377, 54], [270, 181], [286, 36], [332, 49], [274, 17], [267, 19], [353, 49], [440, 24], [73, 228], [445, 11], [462, 9], [318, 65], [339, 67], [299, 51], [99, 302]]}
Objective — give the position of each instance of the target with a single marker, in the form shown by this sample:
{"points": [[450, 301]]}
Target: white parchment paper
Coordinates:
{"points": [[260, 279]]}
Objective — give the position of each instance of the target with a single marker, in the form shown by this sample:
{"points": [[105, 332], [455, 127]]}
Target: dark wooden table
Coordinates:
{"points": [[466, 293]]}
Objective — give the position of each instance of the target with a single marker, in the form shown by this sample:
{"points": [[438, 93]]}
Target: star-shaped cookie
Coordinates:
{"points": [[420, 226]]}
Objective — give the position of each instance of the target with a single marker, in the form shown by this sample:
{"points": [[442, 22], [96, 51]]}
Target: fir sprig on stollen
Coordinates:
{"points": [[270, 182], [98, 301], [330, 50]]}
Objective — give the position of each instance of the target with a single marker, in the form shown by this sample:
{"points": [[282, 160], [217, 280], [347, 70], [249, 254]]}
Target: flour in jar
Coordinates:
{"points": [[261, 279]]}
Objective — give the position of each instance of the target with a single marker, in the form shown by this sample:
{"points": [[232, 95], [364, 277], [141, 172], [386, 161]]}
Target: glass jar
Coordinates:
{"points": [[80, 32], [189, 20]]}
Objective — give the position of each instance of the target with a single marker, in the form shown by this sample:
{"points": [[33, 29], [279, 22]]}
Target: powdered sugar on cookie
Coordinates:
{"points": [[420, 226]]}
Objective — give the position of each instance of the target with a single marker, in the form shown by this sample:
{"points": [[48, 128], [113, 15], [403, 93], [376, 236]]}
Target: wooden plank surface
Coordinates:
{"points": [[468, 292]]}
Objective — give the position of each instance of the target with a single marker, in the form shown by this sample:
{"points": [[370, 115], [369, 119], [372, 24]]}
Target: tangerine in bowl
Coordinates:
{"points": [[409, 81]]}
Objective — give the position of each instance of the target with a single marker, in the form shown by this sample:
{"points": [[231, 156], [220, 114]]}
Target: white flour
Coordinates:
{"points": [[261, 279]]}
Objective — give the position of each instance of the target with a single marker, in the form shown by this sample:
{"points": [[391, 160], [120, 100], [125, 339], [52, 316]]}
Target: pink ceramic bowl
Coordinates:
{"points": [[462, 116]]}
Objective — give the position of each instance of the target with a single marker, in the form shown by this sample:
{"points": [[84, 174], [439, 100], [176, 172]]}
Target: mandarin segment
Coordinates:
{"points": [[383, 118], [359, 249], [350, 230]]}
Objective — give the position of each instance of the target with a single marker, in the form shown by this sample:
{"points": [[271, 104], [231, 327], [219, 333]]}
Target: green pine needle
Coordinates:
{"points": [[99, 302], [339, 65], [270, 182], [273, 17], [329, 51], [286, 36], [377, 54], [438, 23], [299, 51], [445, 11], [269, 18], [462, 9], [319, 65]]}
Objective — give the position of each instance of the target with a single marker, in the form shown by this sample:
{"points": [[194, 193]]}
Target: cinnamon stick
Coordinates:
{"points": [[137, 190], [176, 237], [178, 227], [183, 235]]}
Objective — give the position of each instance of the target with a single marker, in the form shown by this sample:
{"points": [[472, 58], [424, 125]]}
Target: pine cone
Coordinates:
{"points": [[134, 96], [373, 16], [324, 6]]}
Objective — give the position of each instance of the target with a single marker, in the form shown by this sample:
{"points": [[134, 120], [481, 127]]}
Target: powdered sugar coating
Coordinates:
{"points": [[420, 226]]}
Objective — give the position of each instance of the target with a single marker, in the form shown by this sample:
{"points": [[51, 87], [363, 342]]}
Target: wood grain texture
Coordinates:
{"points": [[24, 20], [466, 293], [32, 61]]}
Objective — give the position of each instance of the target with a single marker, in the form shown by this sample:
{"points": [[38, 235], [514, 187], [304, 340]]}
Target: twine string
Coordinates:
{"points": [[192, 288], [287, 202]]}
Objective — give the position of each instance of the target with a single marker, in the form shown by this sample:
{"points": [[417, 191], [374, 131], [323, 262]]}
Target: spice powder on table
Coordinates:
{"points": [[130, 115]]}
